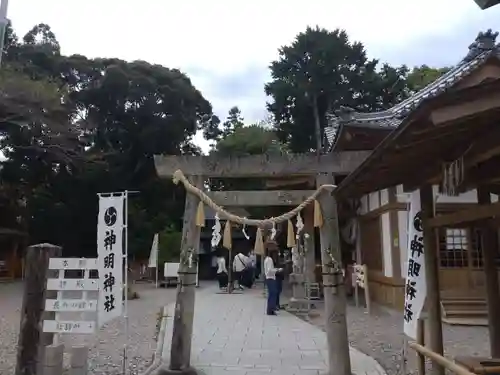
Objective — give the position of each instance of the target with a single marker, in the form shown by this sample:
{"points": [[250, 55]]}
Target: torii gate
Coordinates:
{"points": [[325, 167]]}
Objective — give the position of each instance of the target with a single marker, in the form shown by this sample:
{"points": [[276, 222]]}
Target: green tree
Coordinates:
{"points": [[215, 131], [249, 140], [421, 76], [89, 126], [233, 122], [169, 248], [321, 71]]}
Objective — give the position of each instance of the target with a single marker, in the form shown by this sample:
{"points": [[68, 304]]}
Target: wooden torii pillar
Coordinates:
{"points": [[262, 166]]}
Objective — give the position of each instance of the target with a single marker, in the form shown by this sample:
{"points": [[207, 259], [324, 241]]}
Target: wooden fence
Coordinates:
{"points": [[445, 363]]}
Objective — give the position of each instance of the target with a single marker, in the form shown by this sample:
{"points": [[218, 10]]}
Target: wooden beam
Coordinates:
{"points": [[340, 163], [479, 212], [260, 198], [462, 110], [425, 137], [484, 173]]}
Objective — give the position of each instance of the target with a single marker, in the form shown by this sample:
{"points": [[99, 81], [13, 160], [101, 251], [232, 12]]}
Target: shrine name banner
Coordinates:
{"points": [[415, 287], [110, 227]]}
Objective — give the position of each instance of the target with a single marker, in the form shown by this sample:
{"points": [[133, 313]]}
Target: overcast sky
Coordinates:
{"points": [[225, 46]]}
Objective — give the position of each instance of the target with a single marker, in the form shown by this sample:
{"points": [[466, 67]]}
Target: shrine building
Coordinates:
{"points": [[377, 195]]}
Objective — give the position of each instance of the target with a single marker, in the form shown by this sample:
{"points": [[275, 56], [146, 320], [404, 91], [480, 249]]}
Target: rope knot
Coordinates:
{"points": [[177, 176]]}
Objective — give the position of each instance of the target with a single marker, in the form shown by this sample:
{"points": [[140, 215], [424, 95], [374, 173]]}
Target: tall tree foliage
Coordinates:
{"points": [[324, 70], [421, 76], [73, 127]]}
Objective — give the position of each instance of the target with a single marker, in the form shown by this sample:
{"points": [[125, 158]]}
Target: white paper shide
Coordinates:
{"points": [[110, 227], [416, 288]]}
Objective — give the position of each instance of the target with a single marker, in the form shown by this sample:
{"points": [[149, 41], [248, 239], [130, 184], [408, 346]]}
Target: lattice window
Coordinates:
{"points": [[453, 244]]}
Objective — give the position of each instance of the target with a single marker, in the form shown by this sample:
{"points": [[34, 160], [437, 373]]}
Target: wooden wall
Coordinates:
{"points": [[387, 291]]}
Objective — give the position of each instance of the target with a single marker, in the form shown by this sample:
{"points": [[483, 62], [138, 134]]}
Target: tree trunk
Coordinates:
{"points": [[317, 126]]}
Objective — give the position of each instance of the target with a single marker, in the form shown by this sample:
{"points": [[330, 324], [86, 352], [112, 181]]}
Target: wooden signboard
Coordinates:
{"points": [[64, 305]]}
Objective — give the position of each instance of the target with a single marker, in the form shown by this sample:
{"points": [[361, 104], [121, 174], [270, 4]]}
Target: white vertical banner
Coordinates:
{"points": [[416, 287], [153, 255], [110, 227]]}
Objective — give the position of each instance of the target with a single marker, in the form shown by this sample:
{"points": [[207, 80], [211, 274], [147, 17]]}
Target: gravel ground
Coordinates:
{"points": [[106, 353], [380, 335]]}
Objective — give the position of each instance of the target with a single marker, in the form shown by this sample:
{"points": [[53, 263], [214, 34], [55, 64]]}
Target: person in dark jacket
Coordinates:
{"points": [[280, 276], [270, 271]]}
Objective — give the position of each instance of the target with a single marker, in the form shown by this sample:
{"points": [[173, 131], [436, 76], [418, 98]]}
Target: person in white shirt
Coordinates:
{"points": [[270, 275], [240, 264], [221, 271]]}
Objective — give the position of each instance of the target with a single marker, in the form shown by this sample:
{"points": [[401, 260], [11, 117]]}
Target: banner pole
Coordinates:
{"points": [[157, 259], [125, 305]]}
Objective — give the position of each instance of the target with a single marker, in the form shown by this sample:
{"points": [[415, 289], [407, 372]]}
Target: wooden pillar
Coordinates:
{"points": [[334, 289], [32, 341], [490, 249], [433, 302], [182, 332], [395, 235], [310, 255]]}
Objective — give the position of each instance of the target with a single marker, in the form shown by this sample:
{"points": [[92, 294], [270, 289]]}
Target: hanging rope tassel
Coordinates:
{"points": [[227, 241], [318, 217], [259, 243], [290, 239], [179, 177], [200, 215]]}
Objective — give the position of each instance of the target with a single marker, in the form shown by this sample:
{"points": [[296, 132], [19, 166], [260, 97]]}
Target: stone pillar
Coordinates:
{"points": [[53, 364], [79, 360]]}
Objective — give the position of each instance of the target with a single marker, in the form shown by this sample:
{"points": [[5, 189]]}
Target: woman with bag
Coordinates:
{"points": [[270, 274], [280, 277]]}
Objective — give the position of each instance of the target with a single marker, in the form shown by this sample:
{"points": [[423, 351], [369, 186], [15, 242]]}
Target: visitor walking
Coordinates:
{"points": [[270, 275], [222, 276]]}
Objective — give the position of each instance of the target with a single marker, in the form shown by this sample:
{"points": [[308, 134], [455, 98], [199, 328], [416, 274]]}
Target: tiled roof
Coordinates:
{"points": [[482, 48]]}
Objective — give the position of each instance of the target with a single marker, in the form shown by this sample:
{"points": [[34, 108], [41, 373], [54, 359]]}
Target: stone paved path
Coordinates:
{"points": [[233, 335]]}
